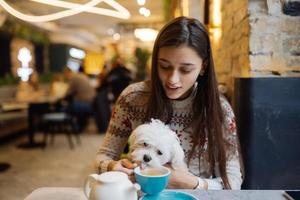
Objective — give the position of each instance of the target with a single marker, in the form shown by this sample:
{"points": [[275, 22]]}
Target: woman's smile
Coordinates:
{"points": [[170, 89]]}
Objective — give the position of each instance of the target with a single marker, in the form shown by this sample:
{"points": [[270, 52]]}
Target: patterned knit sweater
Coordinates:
{"points": [[130, 111]]}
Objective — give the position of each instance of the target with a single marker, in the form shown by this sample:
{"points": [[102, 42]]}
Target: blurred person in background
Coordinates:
{"points": [[112, 84], [58, 87], [117, 79], [80, 95]]}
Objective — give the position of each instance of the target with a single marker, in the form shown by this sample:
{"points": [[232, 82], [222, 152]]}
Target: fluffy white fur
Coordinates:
{"points": [[155, 144]]}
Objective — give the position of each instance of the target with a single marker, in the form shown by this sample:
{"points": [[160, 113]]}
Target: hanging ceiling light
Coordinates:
{"points": [[145, 34], [77, 53], [73, 9], [116, 36], [144, 11], [141, 2]]}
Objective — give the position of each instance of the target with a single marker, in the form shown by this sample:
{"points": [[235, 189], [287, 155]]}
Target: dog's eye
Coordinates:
{"points": [[145, 144], [159, 152]]}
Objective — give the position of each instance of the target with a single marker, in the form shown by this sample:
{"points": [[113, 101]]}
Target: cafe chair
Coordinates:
{"points": [[60, 122], [267, 111]]}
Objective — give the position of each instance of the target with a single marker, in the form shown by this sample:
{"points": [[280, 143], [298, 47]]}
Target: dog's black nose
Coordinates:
{"points": [[147, 158]]}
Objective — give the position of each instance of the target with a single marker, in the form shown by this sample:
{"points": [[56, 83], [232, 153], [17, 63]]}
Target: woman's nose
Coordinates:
{"points": [[173, 77]]}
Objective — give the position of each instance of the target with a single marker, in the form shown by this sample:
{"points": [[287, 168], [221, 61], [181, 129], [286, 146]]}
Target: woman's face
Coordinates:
{"points": [[178, 69]]}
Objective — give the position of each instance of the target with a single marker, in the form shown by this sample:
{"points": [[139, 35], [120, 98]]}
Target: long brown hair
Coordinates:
{"points": [[207, 113]]}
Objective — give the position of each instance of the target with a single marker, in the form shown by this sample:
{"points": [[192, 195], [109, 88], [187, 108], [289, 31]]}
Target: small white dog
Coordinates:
{"points": [[155, 144]]}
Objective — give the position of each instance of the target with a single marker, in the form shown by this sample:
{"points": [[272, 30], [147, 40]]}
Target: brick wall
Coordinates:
{"points": [[231, 52], [274, 40], [258, 39]]}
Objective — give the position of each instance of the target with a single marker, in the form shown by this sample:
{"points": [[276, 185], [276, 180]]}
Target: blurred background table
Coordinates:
{"points": [[65, 193], [36, 109]]}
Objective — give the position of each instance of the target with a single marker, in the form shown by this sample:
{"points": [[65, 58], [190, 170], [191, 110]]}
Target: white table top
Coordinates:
{"points": [[69, 193], [57, 193]]}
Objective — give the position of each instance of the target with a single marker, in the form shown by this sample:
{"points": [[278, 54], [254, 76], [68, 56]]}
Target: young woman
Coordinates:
{"points": [[183, 93]]}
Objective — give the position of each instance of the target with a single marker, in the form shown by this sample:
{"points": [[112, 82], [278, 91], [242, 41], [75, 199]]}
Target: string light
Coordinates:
{"points": [[74, 9]]}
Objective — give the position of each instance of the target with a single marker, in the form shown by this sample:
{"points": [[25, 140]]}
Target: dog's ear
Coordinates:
{"points": [[177, 157], [136, 133]]}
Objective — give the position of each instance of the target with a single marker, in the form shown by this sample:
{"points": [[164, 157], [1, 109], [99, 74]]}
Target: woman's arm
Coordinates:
{"points": [[115, 139], [127, 114], [110, 150], [234, 177], [181, 178]]}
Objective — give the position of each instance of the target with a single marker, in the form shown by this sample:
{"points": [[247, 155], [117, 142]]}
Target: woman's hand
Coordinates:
{"points": [[181, 178], [123, 165]]}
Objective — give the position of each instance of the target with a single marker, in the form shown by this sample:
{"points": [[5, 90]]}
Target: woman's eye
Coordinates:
{"points": [[185, 71], [145, 144], [159, 152], [164, 67]]}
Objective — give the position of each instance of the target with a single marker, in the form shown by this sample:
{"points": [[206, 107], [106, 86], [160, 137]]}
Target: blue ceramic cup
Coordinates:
{"points": [[152, 180]]}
